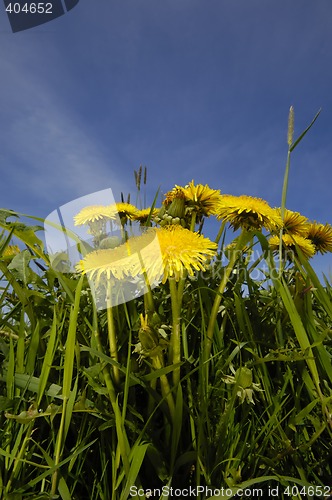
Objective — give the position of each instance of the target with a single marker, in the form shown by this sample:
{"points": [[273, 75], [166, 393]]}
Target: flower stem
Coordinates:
{"points": [[175, 348], [221, 230], [193, 221], [112, 334], [242, 239], [120, 430], [158, 363]]}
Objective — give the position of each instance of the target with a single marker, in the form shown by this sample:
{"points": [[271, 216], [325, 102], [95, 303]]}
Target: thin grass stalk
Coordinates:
{"points": [[20, 346], [48, 359], [282, 209], [21, 449], [10, 391], [291, 146], [290, 134], [67, 381], [144, 182]]}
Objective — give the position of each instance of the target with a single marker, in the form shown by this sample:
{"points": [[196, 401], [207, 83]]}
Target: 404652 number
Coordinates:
{"points": [[30, 8]]}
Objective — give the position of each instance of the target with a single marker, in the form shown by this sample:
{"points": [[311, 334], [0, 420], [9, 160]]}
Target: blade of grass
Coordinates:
{"points": [[67, 380], [48, 359], [137, 456]]}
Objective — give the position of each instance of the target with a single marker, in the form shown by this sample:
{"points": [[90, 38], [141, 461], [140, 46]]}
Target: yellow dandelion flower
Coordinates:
{"points": [[294, 222], [10, 251], [248, 212], [321, 237], [176, 192], [183, 251], [108, 262], [203, 199], [125, 210], [126, 260], [94, 213], [143, 215], [290, 242]]}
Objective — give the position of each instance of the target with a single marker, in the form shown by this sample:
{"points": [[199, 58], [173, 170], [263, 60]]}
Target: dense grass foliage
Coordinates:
{"points": [[219, 379]]}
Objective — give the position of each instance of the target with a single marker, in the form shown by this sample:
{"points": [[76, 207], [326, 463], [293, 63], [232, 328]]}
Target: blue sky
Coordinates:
{"points": [[191, 89]]}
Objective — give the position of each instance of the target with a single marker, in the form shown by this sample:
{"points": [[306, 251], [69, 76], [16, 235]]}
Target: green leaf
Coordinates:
{"points": [[4, 214], [296, 142], [20, 266], [136, 460]]}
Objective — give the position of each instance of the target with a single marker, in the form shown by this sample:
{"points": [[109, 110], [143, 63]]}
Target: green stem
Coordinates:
{"points": [[148, 297], [283, 208], [121, 433], [193, 221], [158, 363], [214, 312], [221, 230], [112, 334], [175, 347]]}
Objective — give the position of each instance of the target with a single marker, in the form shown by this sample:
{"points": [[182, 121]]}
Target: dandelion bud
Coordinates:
{"points": [[177, 207], [110, 242], [243, 377], [162, 212]]}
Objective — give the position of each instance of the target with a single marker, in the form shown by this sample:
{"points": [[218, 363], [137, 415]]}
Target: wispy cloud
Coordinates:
{"points": [[47, 151]]}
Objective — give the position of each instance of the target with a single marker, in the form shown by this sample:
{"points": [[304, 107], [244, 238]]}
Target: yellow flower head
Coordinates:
{"points": [[248, 212], [294, 222], [125, 210], [176, 192], [202, 199], [321, 237], [94, 213], [126, 260], [143, 215], [290, 242], [183, 251]]}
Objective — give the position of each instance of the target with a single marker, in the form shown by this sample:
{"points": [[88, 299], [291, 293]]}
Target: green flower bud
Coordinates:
{"points": [[243, 377], [110, 242], [177, 207]]}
